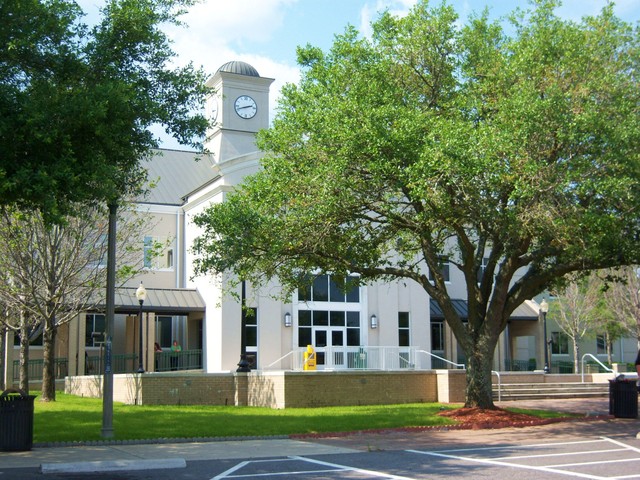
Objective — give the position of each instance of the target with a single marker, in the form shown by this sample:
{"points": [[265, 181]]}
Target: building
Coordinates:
{"points": [[383, 326]]}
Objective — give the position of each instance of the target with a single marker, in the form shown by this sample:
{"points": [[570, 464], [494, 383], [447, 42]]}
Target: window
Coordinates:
{"points": [[158, 253], [99, 252], [164, 331], [329, 312], [483, 267], [328, 288], [403, 329], [559, 343], [35, 336], [251, 325], [444, 268], [437, 336], [251, 336], [601, 345], [308, 320], [94, 330]]}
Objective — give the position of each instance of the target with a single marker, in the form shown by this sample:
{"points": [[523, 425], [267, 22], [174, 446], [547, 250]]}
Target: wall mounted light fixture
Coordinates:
{"points": [[374, 321], [287, 319]]}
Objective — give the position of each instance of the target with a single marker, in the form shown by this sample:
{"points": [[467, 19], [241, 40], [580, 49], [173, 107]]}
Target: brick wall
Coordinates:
{"points": [[268, 389]]}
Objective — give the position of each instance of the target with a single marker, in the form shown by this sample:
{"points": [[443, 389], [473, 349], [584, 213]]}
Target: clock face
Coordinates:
{"points": [[246, 106]]}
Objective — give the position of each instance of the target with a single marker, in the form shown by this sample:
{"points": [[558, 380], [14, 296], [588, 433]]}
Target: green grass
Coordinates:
{"points": [[73, 418]]}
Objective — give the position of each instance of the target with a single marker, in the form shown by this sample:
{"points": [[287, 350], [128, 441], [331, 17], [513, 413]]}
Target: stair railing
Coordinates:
{"points": [[597, 361]]}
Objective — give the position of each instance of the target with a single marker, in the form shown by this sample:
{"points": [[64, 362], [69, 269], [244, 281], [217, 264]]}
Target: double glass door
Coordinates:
{"points": [[329, 343]]}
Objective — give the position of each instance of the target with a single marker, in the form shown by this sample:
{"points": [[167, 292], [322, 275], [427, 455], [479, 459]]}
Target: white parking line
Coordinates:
{"points": [[505, 461], [334, 467], [507, 464], [357, 470], [568, 454]]}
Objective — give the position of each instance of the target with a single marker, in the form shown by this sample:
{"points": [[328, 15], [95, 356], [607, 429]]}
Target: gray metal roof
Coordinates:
{"points": [[168, 301], [523, 312], [175, 173], [240, 68]]}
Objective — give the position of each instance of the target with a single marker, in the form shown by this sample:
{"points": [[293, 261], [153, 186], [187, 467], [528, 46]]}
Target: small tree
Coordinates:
{"points": [[622, 297], [575, 310], [57, 271]]}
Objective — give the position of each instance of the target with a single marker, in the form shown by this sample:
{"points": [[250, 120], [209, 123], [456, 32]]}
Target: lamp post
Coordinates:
{"points": [[107, 387], [544, 308], [141, 295]]}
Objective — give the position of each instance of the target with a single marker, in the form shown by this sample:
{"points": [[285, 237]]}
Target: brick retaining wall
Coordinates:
{"points": [[266, 389]]}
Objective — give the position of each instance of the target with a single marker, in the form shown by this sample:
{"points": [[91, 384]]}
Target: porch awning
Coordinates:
{"points": [[165, 301], [527, 311]]}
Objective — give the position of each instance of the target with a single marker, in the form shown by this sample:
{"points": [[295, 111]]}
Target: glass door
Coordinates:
{"points": [[329, 343]]}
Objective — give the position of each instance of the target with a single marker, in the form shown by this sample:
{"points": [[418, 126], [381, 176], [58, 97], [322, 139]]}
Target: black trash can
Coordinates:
{"points": [[16, 420], [623, 397]]}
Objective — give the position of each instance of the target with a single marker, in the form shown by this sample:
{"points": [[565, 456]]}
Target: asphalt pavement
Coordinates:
{"points": [[109, 456]]}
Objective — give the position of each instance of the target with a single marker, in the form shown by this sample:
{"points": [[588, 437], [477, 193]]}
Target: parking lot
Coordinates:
{"points": [[598, 458]]}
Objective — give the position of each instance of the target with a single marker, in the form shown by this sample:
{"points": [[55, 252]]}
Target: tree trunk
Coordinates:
{"points": [[24, 352], [479, 391], [576, 357], [48, 369]]}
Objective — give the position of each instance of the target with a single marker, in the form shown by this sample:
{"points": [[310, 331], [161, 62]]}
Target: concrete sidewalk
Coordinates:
{"points": [[157, 455], [111, 456]]}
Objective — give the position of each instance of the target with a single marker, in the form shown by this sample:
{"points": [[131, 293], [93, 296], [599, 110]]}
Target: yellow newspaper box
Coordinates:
{"points": [[309, 358]]}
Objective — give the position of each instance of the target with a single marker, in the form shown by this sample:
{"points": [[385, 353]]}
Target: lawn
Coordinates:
{"points": [[73, 418]]}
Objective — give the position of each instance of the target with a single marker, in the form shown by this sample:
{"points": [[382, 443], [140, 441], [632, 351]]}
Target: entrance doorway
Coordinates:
{"points": [[329, 343]]}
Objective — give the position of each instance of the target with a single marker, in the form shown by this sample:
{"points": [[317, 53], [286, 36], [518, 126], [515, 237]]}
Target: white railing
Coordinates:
{"points": [[457, 365], [365, 358], [597, 361]]}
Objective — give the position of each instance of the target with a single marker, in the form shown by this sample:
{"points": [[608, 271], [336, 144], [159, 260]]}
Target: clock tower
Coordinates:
{"points": [[239, 107]]}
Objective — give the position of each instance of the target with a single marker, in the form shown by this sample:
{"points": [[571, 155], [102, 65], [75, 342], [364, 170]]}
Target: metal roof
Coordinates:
{"points": [[168, 301], [240, 68], [175, 173], [526, 311]]}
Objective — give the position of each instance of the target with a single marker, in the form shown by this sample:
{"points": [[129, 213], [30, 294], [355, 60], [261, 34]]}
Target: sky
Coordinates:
{"points": [[265, 33]]}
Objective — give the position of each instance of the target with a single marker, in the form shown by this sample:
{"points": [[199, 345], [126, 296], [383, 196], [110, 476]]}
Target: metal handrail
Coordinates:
{"points": [[280, 359], [443, 359], [499, 384], [597, 361]]}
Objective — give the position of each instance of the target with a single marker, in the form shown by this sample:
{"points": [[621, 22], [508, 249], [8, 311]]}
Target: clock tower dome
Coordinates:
{"points": [[239, 106]]}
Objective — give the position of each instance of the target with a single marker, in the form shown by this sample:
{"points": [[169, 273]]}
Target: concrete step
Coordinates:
{"points": [[531, 391]]}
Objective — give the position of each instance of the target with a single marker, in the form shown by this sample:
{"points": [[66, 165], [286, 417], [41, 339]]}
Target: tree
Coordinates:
{"points": [[76, 102], [576, 311], [514, 157], [55, 272], [622, 297]]}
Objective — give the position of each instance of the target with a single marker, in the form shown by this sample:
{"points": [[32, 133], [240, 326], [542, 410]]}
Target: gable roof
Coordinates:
{"points": [[175, 173]]}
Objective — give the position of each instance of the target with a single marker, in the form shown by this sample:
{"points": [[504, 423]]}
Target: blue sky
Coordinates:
{"points": [[265, 33]]}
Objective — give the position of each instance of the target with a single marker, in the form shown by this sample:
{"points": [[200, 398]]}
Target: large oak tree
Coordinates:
{"points": [[513, 153]]}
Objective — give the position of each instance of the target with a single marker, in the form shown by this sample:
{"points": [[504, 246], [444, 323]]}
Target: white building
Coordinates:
{"points": [[383, 326]]}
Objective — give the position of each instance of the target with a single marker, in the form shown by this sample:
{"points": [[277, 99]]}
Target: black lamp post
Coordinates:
{"points": [[141, 295], [544, 308]]}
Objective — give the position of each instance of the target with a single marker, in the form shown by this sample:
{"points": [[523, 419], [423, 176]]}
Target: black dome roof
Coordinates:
{"points": [[240, 68]]}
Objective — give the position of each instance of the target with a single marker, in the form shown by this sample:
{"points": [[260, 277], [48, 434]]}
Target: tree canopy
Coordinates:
{"points": [[76, 101], [511, 153]]}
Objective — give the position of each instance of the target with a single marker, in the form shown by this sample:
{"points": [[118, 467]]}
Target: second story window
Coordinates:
{"points": [[444, 269], [158, 253]]}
